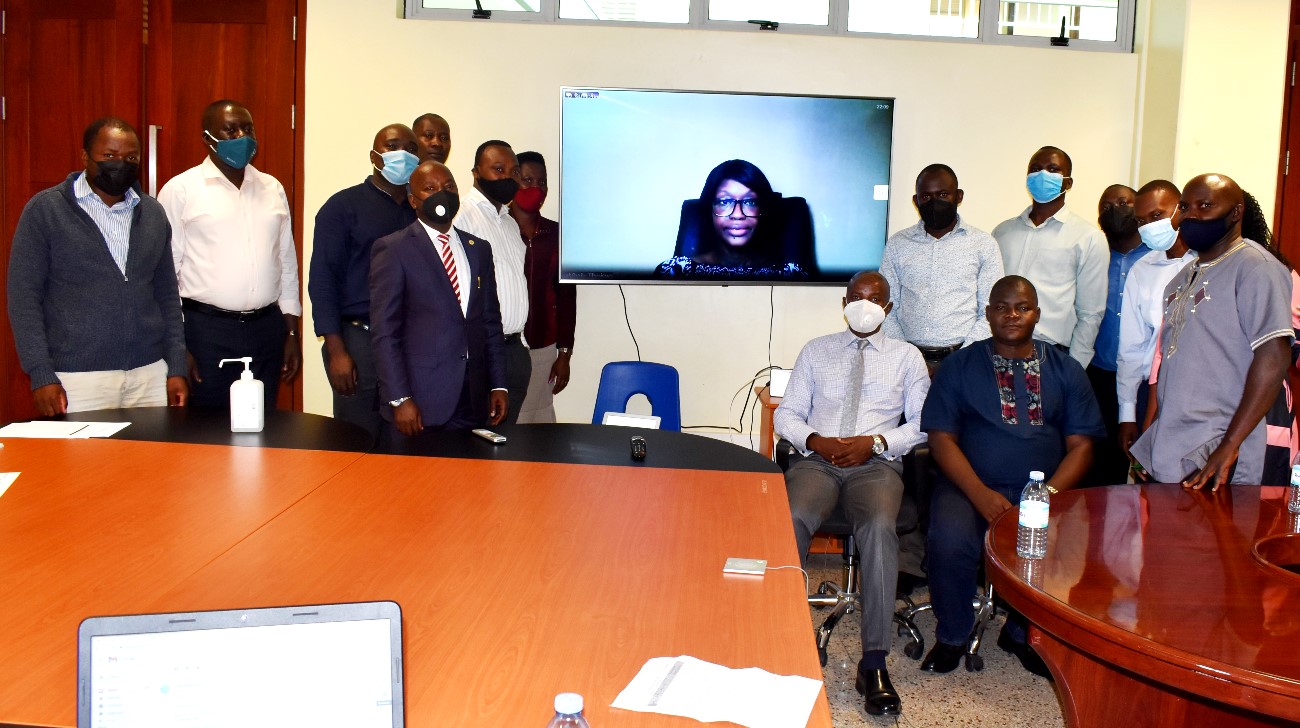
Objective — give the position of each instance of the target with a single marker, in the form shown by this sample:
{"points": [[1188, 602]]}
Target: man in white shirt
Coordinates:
{"points": [[485, 213], [1144, 301], [940, 271], [232, 244], [1062, 254]]}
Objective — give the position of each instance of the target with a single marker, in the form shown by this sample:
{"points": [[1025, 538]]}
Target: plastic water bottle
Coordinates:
{"points": [[1293, 491], [1031, 543], [568, 712]]}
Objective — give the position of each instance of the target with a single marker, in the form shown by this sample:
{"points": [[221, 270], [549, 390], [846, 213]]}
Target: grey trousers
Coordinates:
{"points": [[871, 495]]}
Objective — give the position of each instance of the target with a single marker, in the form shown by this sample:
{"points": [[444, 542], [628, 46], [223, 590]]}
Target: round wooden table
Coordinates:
{"points": [[1157, 606]]}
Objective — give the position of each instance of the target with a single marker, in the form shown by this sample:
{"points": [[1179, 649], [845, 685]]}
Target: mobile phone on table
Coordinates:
{"points": [[490, 436]]}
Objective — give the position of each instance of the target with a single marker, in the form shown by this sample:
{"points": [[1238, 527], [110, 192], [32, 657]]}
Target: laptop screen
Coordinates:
{"points": [[335, 665]]}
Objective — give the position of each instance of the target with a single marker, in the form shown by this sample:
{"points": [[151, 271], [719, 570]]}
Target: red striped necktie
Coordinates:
{"points": [[449, 263]]}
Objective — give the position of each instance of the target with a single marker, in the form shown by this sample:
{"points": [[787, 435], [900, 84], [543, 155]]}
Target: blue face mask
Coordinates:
{"points": [[1045, 186], [398, 165], [1159, 234], [235, 152]]}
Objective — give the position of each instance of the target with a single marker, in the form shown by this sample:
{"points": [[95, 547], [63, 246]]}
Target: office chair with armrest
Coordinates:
{"points": [[659, 383], [795, 232]]}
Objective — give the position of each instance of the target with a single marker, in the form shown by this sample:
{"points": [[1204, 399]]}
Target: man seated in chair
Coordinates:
{"points": [[998, 409], [842, 409]]}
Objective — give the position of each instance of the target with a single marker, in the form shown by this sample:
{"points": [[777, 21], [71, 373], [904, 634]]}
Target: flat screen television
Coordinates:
{"points": [[661, 186]]}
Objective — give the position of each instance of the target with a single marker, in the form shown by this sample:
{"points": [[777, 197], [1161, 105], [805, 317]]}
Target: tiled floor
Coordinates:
{"points": [[1002, 695]]}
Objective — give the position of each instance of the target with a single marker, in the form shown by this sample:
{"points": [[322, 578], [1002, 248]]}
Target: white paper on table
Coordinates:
{"points": [[6, 480], [61, 430], [709, 693]]}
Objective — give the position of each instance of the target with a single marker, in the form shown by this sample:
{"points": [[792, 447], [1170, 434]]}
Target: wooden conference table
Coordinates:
{"points": [[517, 580], [1157, 606]]}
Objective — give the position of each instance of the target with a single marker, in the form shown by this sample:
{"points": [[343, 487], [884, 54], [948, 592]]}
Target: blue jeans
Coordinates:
{"points": [[871, 495], [955, 549]]}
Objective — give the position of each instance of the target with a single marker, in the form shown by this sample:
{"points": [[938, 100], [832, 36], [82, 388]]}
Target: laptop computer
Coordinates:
{"points": [[323, 666]]}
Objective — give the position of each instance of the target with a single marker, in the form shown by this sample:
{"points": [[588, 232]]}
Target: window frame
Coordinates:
{"points": [[837, 24]]}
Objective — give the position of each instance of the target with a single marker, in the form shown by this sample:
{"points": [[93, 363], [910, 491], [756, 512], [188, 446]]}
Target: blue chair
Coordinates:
{"points": [[622, 380]]}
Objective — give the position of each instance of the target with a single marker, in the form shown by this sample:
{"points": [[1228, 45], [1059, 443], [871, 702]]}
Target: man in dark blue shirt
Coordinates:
{"points": [[347, 226], [997, 410]]}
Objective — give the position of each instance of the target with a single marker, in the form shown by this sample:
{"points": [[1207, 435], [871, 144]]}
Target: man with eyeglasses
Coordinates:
{"points": [[104, 331]]}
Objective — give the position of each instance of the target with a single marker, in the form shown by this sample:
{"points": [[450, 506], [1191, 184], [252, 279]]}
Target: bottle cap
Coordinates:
{"points": [[568, 703], [1037, 475]]}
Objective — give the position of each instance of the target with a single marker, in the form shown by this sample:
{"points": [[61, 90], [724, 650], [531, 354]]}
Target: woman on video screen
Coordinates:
{"points": [[733, 232]]}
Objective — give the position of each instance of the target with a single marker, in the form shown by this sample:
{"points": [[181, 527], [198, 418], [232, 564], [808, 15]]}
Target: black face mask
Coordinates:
{"points": [[1118, 222], [1201, 235], [447, 202], [500, 191], [937, 214], [115, 176]]}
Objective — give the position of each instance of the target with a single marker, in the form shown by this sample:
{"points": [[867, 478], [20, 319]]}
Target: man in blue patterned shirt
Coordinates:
{"points": [[843, 410]]}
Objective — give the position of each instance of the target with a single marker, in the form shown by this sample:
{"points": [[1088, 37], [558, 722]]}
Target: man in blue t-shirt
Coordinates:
{"points": [[997, 409]]}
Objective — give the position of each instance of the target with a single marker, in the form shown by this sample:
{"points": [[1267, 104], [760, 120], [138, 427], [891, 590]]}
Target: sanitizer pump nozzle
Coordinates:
{"points": [[247, 401]]}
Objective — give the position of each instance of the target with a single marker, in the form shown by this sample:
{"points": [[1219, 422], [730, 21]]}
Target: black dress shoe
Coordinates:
{"points": [[908, 583], [882, 699], [1023, 652], [943, 658]]}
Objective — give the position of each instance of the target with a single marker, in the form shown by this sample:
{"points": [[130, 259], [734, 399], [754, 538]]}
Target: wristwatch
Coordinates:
{"points": [[398, 402], [877, 445], [564, 350]]}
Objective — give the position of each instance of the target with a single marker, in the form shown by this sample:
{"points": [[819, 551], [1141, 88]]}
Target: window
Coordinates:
{"points": [[942, 18], [1088, 24], [640, 11]]}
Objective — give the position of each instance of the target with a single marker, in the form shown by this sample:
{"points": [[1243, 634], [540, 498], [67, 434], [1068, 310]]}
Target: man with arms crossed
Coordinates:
{"points": [[435, 324], [104, 331], [842, 409], [1224, 347], [998, 409], [346, 228], [1062, 254]]}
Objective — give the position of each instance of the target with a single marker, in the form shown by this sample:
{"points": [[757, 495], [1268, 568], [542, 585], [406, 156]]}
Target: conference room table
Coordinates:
{"points": [[1159, 606], [517, 579]]}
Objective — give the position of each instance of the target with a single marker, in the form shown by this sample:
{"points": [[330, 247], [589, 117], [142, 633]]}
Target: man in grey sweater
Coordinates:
{"points": [[92, 289]]}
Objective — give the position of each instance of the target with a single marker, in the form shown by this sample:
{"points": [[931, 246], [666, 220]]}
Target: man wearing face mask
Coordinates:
{"points": [[346, 227], [1115, 215], [1225, 346], [1061, 253], [105, 331], [847, 394], [552, 306], [940, 270], [485, 212], [232, 245], [435, 322], [1144, 301]]}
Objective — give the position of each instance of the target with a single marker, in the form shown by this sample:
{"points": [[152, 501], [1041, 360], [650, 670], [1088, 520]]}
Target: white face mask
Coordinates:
{"points": [[864, 316]]}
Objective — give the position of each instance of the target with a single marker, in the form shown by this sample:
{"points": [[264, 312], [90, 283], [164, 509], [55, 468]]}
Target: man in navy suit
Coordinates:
{"points": [[435, 320]]}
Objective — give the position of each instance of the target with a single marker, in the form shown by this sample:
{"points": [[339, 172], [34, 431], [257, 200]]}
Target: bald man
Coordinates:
{"points": [[999, 409], [1224, 347], [236, 264], [842, 410], [347, 225]]}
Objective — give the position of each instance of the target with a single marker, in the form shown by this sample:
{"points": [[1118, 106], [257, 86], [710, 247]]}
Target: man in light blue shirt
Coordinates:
{"points": [[1118, 221], [842, 410]]}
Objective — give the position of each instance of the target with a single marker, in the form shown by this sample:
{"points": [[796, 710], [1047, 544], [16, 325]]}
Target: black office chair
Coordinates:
{"points": [[792, 218]]}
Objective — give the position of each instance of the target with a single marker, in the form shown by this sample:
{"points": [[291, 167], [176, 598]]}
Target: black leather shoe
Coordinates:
{"points": [[908, 583], [943, 658], [1023, 652], [882, 698]]}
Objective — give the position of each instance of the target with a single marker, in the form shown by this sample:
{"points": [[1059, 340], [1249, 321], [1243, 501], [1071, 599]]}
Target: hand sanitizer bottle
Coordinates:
{"points": [[247, 399]]}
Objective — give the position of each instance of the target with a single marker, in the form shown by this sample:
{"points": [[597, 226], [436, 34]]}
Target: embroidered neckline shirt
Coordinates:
{"points": [[480, 217], [894, 384], [1066, 259], [1139, 327], [114, 222], [940, 286], [232, 246]]}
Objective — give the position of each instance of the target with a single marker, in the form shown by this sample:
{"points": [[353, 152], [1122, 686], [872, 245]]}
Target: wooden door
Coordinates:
{"points": [[200, 51], [66, 63], [1286, 215]]}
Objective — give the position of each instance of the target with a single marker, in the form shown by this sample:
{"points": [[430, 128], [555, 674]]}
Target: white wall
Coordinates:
{"points": [[981, 109]]}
